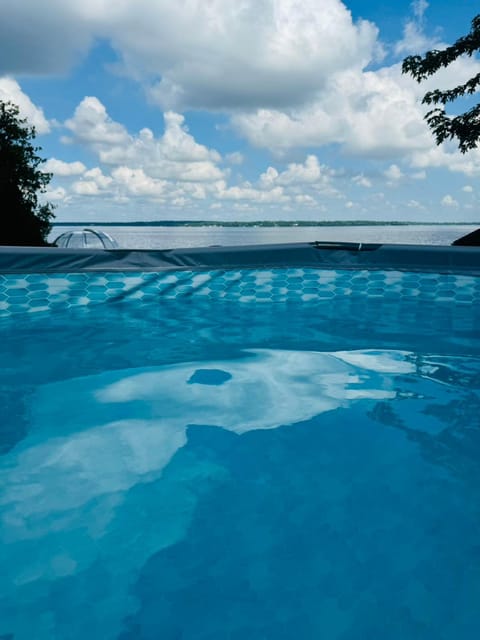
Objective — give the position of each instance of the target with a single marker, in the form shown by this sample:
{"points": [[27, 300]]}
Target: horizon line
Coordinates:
{"points": [[253, 223]]}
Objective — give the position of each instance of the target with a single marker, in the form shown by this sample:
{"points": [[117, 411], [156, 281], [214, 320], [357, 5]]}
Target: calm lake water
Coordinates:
{"points": [[186, 237]]}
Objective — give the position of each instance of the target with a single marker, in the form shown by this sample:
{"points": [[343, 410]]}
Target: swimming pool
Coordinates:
{"points": [[223, 451]]}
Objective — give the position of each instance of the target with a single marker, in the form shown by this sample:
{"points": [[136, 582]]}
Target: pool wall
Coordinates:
{"points": [[35, 280]]}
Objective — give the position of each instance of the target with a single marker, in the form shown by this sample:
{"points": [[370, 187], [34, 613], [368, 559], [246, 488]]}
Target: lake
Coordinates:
{"points": [[170, 237]]}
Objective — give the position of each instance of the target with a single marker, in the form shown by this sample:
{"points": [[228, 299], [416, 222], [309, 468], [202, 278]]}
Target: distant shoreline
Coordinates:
{"points": [[262, 223]]}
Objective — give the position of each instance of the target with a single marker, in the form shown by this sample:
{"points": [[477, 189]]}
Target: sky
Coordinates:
{"points": [[239, 109]]}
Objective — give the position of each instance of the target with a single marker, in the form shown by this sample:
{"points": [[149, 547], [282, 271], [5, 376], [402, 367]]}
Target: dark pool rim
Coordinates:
{"points": [[320, 255]]}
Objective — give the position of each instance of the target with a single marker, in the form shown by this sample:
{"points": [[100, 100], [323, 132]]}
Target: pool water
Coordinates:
{"points": [[213, 471]]}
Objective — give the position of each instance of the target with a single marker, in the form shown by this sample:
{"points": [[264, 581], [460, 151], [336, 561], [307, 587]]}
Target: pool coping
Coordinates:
{"points": [[424, 258]]}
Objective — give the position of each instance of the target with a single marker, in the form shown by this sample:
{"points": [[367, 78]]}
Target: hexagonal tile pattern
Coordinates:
{"points": [[42, 292]]}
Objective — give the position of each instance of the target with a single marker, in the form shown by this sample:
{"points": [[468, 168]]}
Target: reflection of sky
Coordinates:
{"points": [[80, 482], [135, 421]]}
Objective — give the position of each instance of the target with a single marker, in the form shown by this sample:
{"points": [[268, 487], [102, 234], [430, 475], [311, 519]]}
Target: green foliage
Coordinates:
{"points": [[25, 221], [465, 128]]}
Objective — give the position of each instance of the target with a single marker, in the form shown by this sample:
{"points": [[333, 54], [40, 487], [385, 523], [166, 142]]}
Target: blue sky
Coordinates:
{"points": [[220, 109]]}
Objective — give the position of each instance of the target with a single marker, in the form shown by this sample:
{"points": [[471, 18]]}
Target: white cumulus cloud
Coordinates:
{"points": [[393, 173], [414, 39], [221, 54], [10, 91], [175, 155], [175, 169], [414, 204], [85, 188], [56, 194], [362, 181], [247, 192], [137, 183], [368, 113], [375, 113], [449, 201], [61, 168], [235, 157], [309, 172], [445, 157]]}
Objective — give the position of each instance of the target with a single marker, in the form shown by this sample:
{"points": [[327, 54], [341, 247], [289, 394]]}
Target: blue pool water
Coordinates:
{"points": [[211, 470]]}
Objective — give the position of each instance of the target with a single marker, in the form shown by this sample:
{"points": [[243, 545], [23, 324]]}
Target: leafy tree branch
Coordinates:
{"points": [[464, 128]]}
